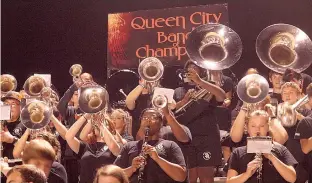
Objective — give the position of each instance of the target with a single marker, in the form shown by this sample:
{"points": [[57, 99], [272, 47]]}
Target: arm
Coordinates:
{"points": [[85, 132], [233, 177], [306, 145], [213, 89], [20, 145], [237, 129], [176, 128], [175, 171], [72, 141], [109, 139], [279, 133], [59, 126], [63, 103], [286, 171], [132, 96]]}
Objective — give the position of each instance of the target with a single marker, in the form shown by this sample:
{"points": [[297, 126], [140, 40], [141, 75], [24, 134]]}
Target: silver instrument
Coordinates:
{"points": [[282, 46], [92, 97], [287, 113], [151, 70], [252, 88], [159, 101], [33, 86], [75, 71], [214, 46], [259, 170], [36, 114], [8, 83]]}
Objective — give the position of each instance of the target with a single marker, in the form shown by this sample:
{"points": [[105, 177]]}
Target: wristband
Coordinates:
{"points": [[84, 117]]}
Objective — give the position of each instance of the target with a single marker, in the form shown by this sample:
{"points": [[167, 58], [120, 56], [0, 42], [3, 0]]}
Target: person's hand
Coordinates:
{"points": [[87, 116], [268, 156], [299, 116], [192, 75], [137, 162], [143, 83], [253, 166], [4, 163], [6, 136], [270, 109], [78, 83], [188, 95], [226, 103], [151, 151]]}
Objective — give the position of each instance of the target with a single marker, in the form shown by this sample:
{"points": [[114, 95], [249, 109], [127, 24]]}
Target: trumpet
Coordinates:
{"points": [[287, 113], [159, 101], [75, 71], [200, 94], [8, 83]]}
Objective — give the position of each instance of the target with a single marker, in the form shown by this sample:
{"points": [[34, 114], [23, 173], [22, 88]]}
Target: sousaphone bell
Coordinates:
{"points": [[214, 46], [282, 46], [8, 83], [252, 88], [33, 86]]}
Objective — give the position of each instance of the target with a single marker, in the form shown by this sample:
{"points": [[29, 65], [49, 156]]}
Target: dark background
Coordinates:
{"points": [[49, 36]]}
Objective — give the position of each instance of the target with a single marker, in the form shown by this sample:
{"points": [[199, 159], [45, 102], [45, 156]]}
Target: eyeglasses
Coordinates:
{"points": [[150, 118]]}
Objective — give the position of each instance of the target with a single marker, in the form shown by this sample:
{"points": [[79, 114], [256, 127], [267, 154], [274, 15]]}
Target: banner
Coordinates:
{"points": [[161, 33]]}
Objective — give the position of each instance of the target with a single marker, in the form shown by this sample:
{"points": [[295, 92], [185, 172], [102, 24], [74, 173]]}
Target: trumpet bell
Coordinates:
{"points": [[252, 88], [92, 99], [36, 115], [159, 101], [214, 46], [282, 46], [8, 83], [34, 85], [151, 69], [75, 70]]}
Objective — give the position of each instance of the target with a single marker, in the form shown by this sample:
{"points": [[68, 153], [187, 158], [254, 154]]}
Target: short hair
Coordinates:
{"points": [[289, 75], [157, 112], [309, 90], [271, 72], [38, 149], [111, 170], [52, 139], [29, 173], [261, 113], [292, 85]]}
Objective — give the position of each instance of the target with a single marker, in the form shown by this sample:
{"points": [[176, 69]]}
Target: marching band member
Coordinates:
{"points": [[276, 80], [164, 161], [204, 153], [26, 173], [97, 151], [111, 174], [301, 79], [277, 166]]}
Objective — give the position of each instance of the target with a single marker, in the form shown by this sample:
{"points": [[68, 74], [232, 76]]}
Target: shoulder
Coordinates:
{"points": [[240, 151]]}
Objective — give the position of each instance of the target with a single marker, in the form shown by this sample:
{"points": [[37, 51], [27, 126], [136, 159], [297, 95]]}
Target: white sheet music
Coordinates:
{"points": [[5, 112], [164, 91]]}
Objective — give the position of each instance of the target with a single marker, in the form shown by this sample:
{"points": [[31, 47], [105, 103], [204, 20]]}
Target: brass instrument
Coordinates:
{"points": [[92, 97], [8, 83], [282, 46], [252, 88], [36, 114], [159, 101], [214, 46], [151, 70], [75, 71], [33, 85], [287, 113], [141, 169]]}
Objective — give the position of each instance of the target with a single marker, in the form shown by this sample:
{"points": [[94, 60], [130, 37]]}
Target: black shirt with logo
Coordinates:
{"points": [[92, 157], [240, 158], [304, 131], [153, 173]]}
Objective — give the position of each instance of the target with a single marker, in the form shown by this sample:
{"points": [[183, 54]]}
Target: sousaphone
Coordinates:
{"points": [[282, 46], [214, 46]]}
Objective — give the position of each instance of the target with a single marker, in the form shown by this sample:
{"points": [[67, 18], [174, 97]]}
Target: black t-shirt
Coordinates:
{"points": [[16, 129], [200, 116], [276, 96], [307, 79], [240, 158], [292, 144], [304, 131], [92, 157], [141, 103], [166, 149], [57, 174]]}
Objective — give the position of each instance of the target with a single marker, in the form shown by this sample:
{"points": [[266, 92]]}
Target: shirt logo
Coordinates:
{"points": [[206, 156], [18, 131], [160, 148]]}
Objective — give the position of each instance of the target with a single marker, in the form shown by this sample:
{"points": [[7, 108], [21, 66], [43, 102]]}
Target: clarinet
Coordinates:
{"points": [[141, 170], [259, 170]]}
